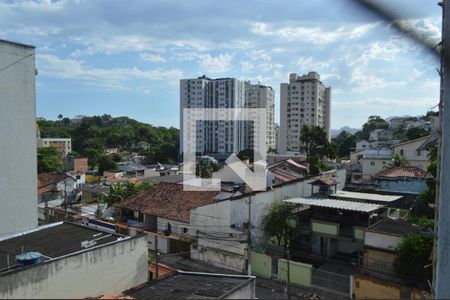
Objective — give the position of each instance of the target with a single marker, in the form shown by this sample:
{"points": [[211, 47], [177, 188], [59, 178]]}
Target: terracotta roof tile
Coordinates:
{"points": [[46, 179], [168, 200], [406, 171], [324, 181]]}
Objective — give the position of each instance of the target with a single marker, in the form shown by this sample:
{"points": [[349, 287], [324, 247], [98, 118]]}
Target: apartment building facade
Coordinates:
{"points": [[305, 100], [222, 136], [260, 96], [18, 194]]}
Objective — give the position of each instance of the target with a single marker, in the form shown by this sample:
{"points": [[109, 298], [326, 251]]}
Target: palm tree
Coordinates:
{"points": [[398, 161]]}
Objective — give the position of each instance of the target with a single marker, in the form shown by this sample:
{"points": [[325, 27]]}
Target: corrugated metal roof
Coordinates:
{"points": [[365, 196], [338, 204]]}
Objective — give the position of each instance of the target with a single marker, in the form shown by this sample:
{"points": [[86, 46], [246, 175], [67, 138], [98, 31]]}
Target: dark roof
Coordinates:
{"points": [[167, 178], [52, 241], [324, 181], [46, 179], [405, 171], [168, 200], [411, 141], [394, 227], [189, 285]]}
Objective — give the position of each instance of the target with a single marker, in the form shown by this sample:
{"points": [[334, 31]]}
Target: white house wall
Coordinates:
{"points": [[18, 191], [381, 241], [105, 270]]}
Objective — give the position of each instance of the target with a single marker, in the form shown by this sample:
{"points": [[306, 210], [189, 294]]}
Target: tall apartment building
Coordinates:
{"points": [[212, 136], [18, 188], [304, 101], [260, 96], [223, 137]]}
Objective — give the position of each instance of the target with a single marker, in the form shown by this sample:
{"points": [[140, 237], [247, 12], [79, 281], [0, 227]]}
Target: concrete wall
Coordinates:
{"points": [[325, 227], [224, 254], [370, 166], [261, 265], [247, 291], [104, 270], [18, 194], [381, 241], [300, 273], [402, 184]]}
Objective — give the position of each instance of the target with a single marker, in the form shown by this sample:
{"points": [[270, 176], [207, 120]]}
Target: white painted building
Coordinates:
{"points": [[18, 194], [212, 137], [64, 144], [305, 100], [260, 96], [225, 137]]}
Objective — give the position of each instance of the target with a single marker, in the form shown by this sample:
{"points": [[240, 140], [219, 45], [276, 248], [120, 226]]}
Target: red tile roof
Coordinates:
{"points": [[406, 171], [288, 170], [324, 181], [47, 179], [168, 200]]}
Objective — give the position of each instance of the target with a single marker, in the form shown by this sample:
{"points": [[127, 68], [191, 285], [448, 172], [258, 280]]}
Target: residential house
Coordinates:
{"points": [[165, 209], [397, 122], [406, 179], [411, 152], [77, 164], [285, 171], [362, 144], [368, 162], [376, 278], [64, 260], [380, 139], [142, 145]]}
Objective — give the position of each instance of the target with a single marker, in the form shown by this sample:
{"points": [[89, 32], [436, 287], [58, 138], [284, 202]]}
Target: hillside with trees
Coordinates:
{"points": [[92, 135]]}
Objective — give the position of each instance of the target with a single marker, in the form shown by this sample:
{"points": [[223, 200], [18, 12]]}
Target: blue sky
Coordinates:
{"points": [[126, 57]]}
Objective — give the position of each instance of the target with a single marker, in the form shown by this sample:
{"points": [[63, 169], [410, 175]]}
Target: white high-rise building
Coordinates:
{"points": [[18, 185], [304, 101], [224, 137], [260, 96], [213, 136]]}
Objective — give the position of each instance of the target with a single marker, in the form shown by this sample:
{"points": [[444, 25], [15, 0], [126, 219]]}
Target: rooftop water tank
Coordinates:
{"points": [[29, 258]]}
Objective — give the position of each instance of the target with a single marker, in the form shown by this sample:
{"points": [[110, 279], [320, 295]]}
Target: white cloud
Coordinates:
{"points": [[314, 35], [218, 64], [312, 64], [114, 78], [152, 57], [247, 66]]}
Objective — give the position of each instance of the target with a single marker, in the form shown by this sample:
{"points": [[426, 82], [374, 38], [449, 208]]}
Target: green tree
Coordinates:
{"points": [[413, 254], [122, 190], [315, 145], [429, 195], [398, 161], [205, 167], [49, 160], [374, 122], [344, 143], [105, 163], [415, 133], [281, 223], [246, 154]]}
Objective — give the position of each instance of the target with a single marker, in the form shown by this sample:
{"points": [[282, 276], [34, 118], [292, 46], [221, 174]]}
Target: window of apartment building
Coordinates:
{"points": [[402, 152], [372, 163], [419, 153]]}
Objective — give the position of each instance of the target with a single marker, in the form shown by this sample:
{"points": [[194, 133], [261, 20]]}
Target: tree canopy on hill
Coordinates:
{"points": [[92, 135]]}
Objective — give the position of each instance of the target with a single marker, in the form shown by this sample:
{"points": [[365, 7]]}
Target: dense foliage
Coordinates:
{"points": [[316, 146], [205, 167], [281, 223], [120, 191], [413, 254], [92, 135], [49, 160]]}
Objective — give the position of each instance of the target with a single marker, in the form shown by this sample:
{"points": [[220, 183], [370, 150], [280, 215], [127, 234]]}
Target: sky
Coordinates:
{"points": [[125, 58]]}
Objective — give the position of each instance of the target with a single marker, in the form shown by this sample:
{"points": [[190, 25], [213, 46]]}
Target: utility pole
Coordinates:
{"points": [[157, 256], [249, 236], [288, 282], [442, 274], [65, 198]]}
